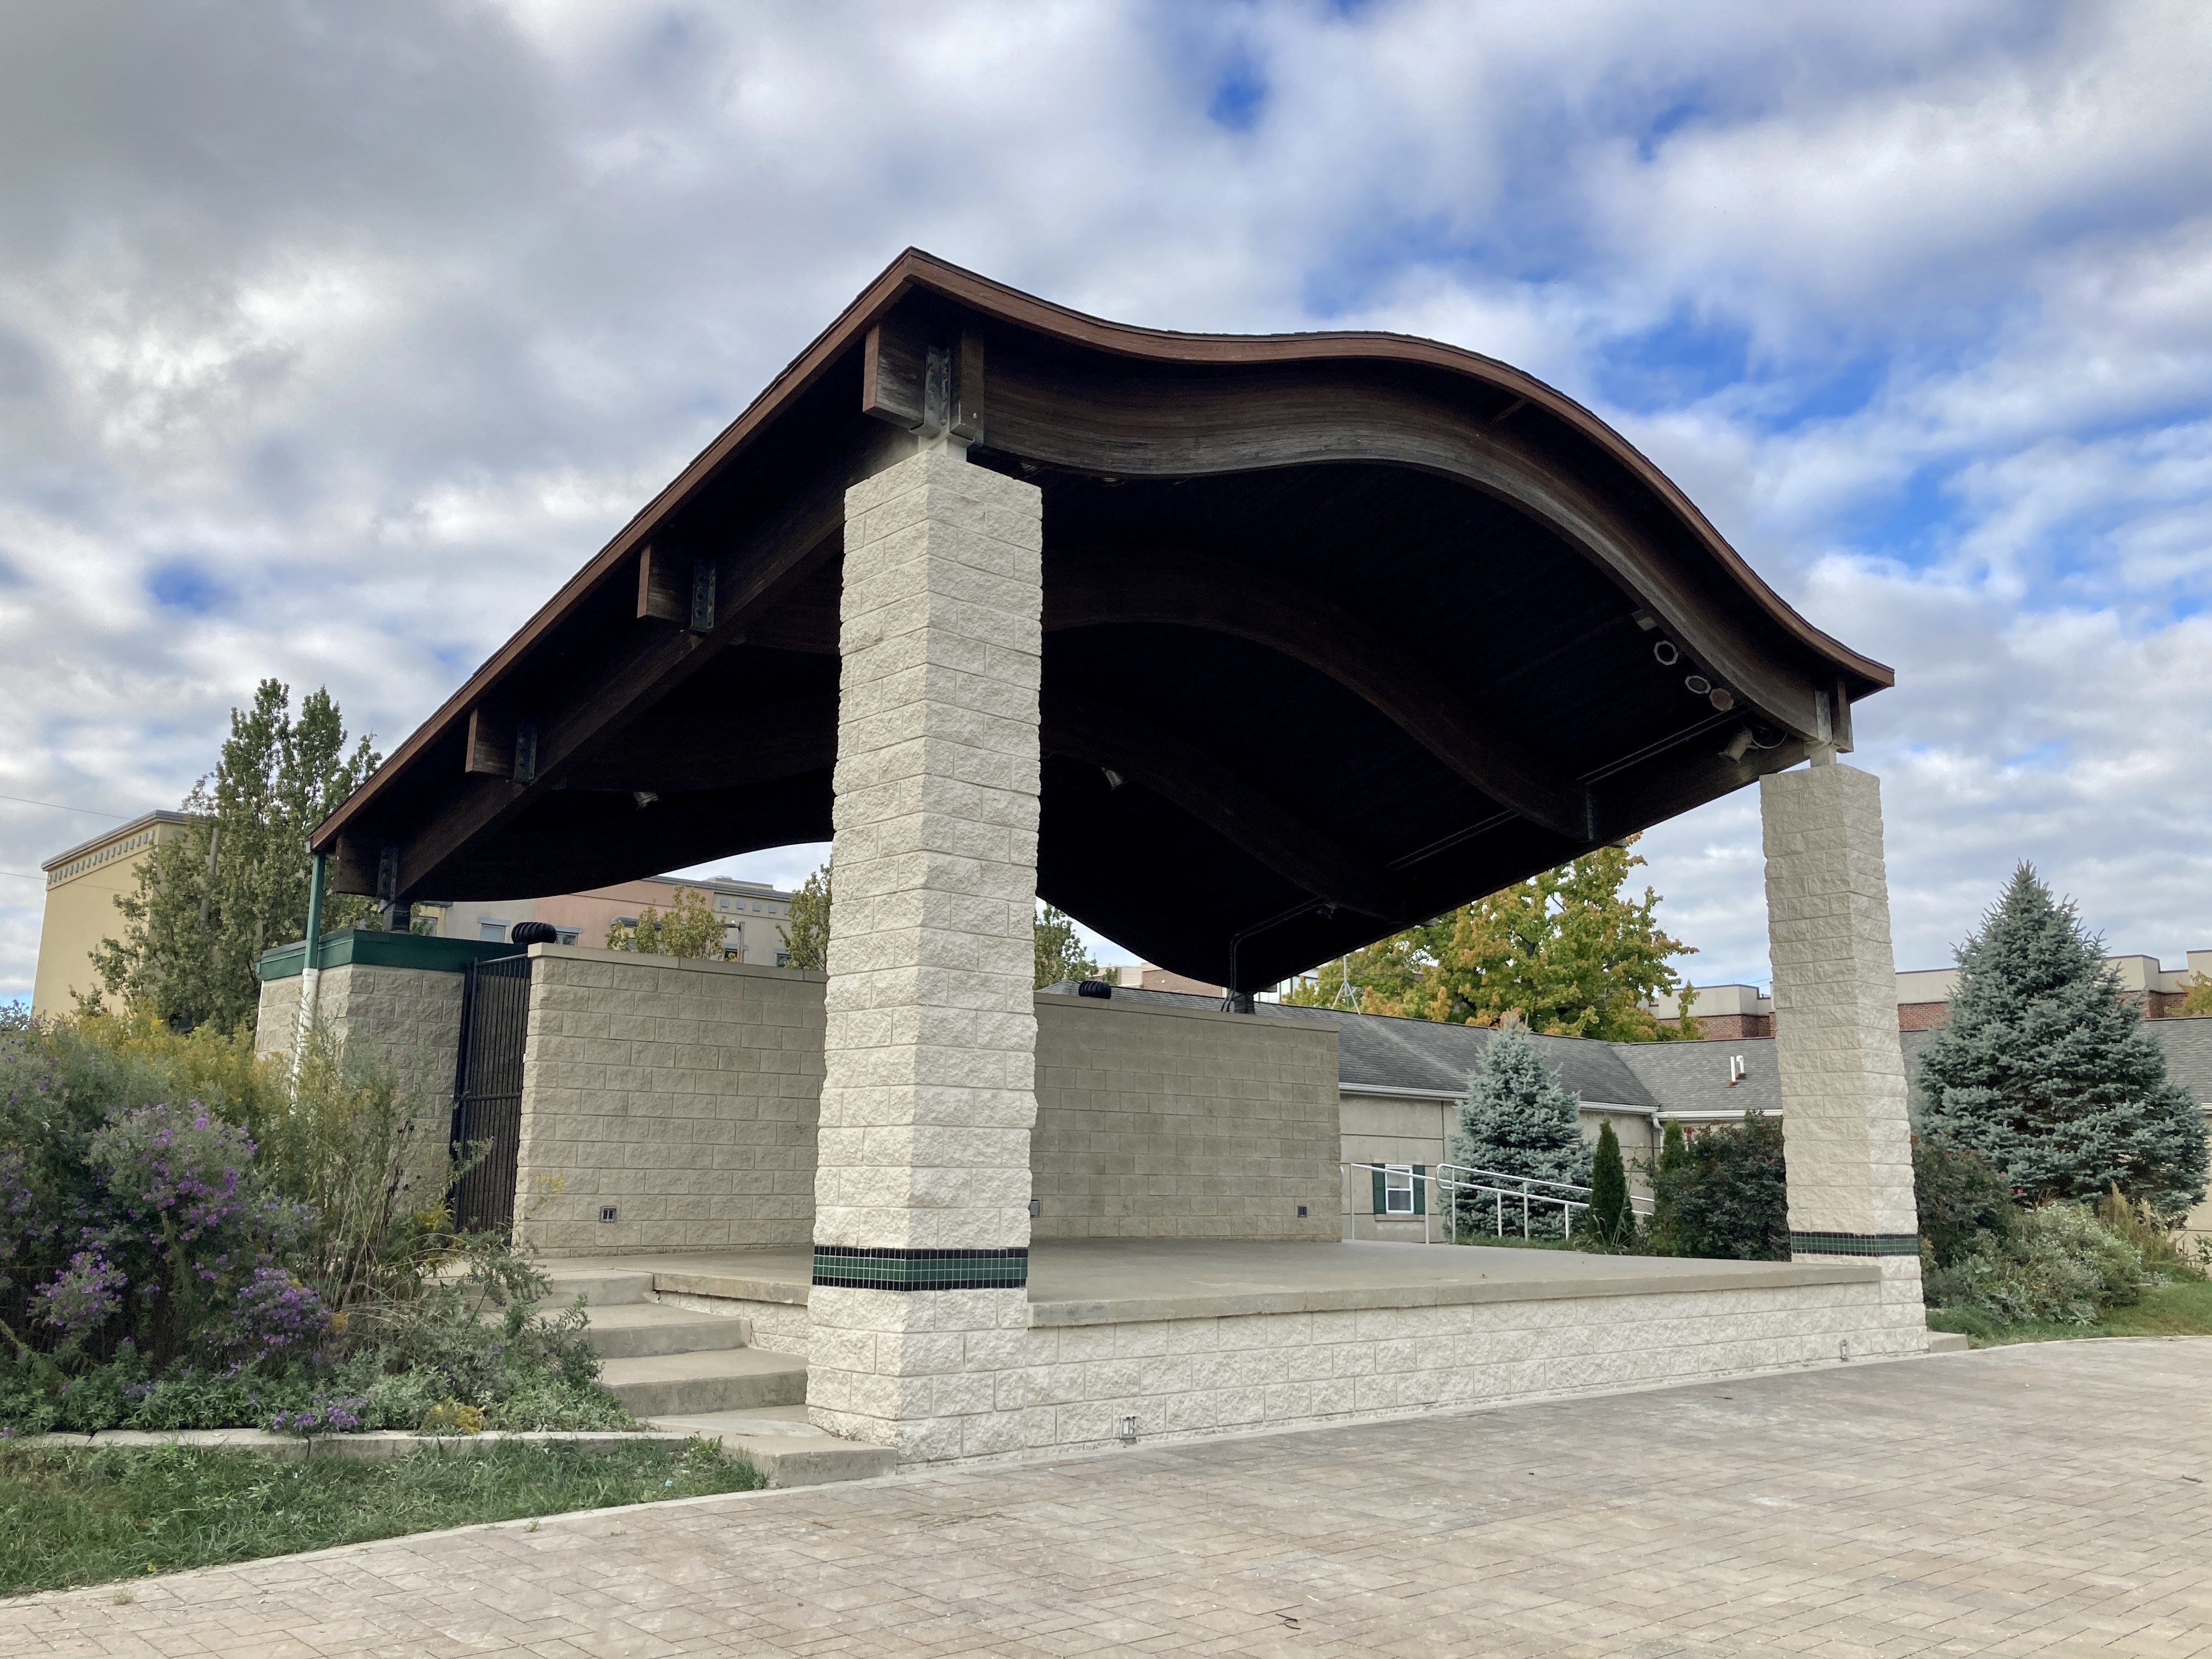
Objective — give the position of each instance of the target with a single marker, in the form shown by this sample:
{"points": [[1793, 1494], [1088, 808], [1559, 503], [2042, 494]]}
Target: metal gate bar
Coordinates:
{"points": [[487, 1090]]}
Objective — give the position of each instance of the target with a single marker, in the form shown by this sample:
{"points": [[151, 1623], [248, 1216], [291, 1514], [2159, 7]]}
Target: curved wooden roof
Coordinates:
{"points": [[1341, 629]]}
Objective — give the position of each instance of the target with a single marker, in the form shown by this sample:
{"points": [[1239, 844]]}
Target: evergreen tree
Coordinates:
{"points": [[1664, 1235], [210, 901], [1612, 1216], [1518, 1121], [2044, 1068]]}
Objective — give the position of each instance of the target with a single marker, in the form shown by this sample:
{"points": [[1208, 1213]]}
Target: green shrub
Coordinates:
{"points": [[1726, 1195], [2054, 1262], [1961, 1195]]}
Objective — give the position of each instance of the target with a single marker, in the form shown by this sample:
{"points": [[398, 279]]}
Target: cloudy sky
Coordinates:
{"points": [[332, 337]]}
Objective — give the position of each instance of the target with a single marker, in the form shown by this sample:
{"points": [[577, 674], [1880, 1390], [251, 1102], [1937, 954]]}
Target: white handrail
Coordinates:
{"points": [[1522, 1188]]}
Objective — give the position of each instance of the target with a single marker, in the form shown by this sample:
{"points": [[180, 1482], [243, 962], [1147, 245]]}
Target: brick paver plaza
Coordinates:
{"points": [[2050, 1500]]}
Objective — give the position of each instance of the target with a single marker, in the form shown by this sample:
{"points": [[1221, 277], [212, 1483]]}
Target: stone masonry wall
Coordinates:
{"points": [[1182, 1123], [684, 1093], [409, 1018], [1069, 1388], [929, 1089], [1835, 1011]]}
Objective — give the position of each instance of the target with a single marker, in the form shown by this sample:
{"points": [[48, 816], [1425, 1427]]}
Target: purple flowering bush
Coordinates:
{"points": [[164, 1266]]}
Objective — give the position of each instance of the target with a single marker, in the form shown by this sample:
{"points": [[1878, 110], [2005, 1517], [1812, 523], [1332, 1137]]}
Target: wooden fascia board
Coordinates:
{"points": [[800, 375], [914, 268], [1165, 346]]}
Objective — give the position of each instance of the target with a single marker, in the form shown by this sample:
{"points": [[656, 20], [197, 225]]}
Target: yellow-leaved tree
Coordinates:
{"points": [[1567, 952], [690, 928]]}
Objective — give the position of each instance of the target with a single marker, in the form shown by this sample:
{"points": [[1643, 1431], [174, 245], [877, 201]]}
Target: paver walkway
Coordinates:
{"points": [[2051, 1500]]}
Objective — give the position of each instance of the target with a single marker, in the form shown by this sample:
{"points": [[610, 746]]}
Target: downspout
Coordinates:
{"points": [[311, 972]]}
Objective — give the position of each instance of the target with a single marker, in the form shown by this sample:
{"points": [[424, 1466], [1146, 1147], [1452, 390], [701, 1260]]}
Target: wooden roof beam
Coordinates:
{"points": [[1141, 751], [1192, 592]]}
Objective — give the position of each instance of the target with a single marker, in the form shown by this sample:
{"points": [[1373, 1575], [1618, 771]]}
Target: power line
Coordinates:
{"points": [[58, 806]]}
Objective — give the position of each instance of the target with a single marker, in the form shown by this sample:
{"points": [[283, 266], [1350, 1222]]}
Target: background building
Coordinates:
{"points": [[755, 915], [1923, 997], [81, 885]]}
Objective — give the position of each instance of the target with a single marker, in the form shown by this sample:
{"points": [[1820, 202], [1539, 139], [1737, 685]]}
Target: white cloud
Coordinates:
{"points": [[360, 331]]}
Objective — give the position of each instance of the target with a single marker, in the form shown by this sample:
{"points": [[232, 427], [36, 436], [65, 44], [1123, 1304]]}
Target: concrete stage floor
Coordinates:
{"points": [[1095, 1281]]}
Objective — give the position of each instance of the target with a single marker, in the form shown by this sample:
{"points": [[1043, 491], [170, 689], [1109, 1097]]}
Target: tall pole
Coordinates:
{"points": [[311, 972]]}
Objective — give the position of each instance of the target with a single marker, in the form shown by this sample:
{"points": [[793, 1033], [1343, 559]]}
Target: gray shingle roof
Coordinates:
{"points": [[1375, 1051]]}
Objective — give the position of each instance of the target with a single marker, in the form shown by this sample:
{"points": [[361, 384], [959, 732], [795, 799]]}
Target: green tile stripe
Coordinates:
{"points": [[865, 1267], [1854, 1244]]}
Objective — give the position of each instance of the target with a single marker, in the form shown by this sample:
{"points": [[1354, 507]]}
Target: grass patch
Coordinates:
{"points": [[1515, 1242], [87, 1518], [2181, 1308]]}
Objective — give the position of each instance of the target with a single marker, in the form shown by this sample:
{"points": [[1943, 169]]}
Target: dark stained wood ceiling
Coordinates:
{"points": [[1342, 630]]}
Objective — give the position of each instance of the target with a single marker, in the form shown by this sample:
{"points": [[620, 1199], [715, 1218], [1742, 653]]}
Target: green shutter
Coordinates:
{"points": [[1382, 1204], [1421, 1189]]}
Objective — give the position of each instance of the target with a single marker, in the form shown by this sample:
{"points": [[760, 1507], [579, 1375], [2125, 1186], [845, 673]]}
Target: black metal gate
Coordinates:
{"points": [[487, 1090]]}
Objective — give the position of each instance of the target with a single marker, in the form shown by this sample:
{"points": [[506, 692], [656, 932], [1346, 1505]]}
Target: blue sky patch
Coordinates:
{"points": [[1239, 92], [1914, 523], [183, 586], [1682, 360]]}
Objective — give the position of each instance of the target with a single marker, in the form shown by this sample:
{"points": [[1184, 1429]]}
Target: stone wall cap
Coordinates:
{"points": [[1113, 1005], [1726, 1276], [688, 964]]}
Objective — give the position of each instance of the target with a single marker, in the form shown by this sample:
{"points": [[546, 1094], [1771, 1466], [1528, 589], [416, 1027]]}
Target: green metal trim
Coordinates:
{"points": [[1854, 1244], [864, 1267], [372, 949]]}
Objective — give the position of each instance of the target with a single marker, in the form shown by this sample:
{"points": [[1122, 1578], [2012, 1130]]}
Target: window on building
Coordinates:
{"points": [[490, 930], [1399, 1189], [570, 935]]}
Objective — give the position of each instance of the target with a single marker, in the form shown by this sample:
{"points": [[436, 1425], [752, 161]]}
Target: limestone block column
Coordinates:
{"points": [[1835, 1035], [919, 1308]]}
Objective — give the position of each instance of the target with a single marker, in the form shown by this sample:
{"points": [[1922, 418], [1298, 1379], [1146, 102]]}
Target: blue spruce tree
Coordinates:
{"points": [[2045, 1070], [1518, 1120]]}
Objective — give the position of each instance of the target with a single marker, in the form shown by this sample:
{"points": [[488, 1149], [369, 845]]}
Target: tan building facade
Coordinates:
{"points": [[755, 917], [1923, 997], [81, 887]]}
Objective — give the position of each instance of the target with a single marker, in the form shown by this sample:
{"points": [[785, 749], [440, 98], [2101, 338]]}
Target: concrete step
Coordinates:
{"points": [[642, 1330], [1948, 1342], [787, 1449], [716, 1380], [601, 1287]]}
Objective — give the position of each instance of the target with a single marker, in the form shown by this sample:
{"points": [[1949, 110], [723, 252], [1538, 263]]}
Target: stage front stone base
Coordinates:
{"points": [[1193, 1338]]}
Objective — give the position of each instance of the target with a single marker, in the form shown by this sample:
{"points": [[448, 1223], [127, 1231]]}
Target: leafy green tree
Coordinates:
{"points": [[2044, 1068], [1612, 1216], [690, 928], [1726, 1194], [1518, 1121], [210, 901], [806, 928], [1567, 952], [1060, 952]]}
